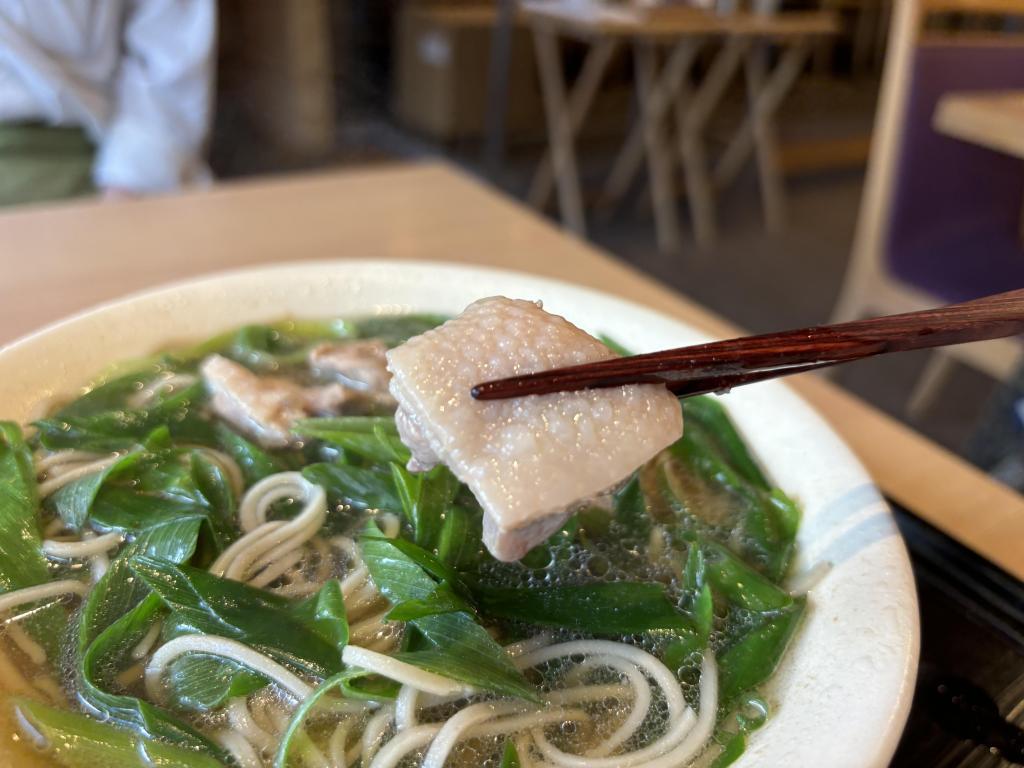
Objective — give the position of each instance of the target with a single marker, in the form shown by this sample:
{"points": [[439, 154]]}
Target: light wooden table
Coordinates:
{"points": [[990, 119], [683, 31], [58, 260]]}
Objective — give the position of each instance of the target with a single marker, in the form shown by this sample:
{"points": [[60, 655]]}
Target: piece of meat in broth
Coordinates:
{"points": [[265, 407], [359, 364], [528, 460]]}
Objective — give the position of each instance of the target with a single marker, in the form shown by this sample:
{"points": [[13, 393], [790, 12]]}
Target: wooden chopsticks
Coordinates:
{"points": [[722, 365]]}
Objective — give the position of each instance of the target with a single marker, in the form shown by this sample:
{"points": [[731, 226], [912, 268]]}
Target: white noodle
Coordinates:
{"points": [[523, 750], [48, 686], [311, 754], [516, 723], [88, 547], [57, 480], [357, 588], [227, 557], [276, 570], [270, 544], [241, 720], [296, 589], [336, 746], [35, 652], [143, 647], [240, 748], [11, 680], [680, 715], [275, 547], [98, 565], [705, 727], [219, 646], [278, 717], [392, 753], [405, 708], [528, 645], [18, 597], [353, 755], [641, 702], [374, 732], [685, 748], [583, 693], [362, 600], [46, 462], [456, 726], [402, 672], [680, 754], [252, 512]]}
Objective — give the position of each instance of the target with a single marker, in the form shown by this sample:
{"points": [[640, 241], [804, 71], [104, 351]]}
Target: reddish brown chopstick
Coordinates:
{"points": [[721, 365]]}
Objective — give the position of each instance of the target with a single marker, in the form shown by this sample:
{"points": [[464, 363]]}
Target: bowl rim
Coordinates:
{"points": [[887, 740]]}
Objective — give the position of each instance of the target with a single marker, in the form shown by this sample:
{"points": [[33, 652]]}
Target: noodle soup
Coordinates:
{"points": [[219, 557]]}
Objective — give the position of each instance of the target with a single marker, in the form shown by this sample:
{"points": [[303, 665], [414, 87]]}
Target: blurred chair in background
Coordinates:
{"points": [[747, 31], [104, 95], [940, 219]]}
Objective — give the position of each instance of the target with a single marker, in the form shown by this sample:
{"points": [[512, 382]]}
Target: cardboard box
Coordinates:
{"points": [[441, 73]]}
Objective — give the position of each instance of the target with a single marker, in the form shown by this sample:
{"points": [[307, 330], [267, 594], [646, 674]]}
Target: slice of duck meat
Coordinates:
{"points": [[358, 364], [266, 407], [528, 460]]}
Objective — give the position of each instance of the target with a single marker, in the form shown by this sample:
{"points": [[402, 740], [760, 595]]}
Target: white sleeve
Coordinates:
{"points": [[163, 93]]}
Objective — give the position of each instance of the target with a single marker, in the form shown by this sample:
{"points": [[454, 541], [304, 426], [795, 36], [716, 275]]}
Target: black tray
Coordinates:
{"points": [[969, 703]]}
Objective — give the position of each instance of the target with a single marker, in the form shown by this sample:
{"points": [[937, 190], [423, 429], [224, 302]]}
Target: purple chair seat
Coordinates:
{"points": [[962, 263], [957, 207]]}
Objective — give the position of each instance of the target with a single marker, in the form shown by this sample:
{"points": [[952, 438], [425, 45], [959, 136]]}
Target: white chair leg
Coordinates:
{"points": [[852, 303], [673, 86], [659, 157], [691, 138], [582, 96], [560, 134], [930, 383]]}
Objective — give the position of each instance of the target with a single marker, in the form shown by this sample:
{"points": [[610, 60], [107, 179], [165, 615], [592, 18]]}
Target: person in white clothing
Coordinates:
{"points": [[112, 96]]}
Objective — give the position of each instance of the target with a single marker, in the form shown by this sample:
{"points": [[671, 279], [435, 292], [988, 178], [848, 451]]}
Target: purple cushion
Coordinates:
{"points": [[957, 207]]}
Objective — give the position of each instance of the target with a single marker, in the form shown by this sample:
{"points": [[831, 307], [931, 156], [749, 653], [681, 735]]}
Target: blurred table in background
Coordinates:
{"points": [[61, 259], [683, 31], [989, 119]]}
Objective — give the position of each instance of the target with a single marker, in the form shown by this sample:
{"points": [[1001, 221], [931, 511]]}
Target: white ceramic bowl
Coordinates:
{"points": [[842, 694]]}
